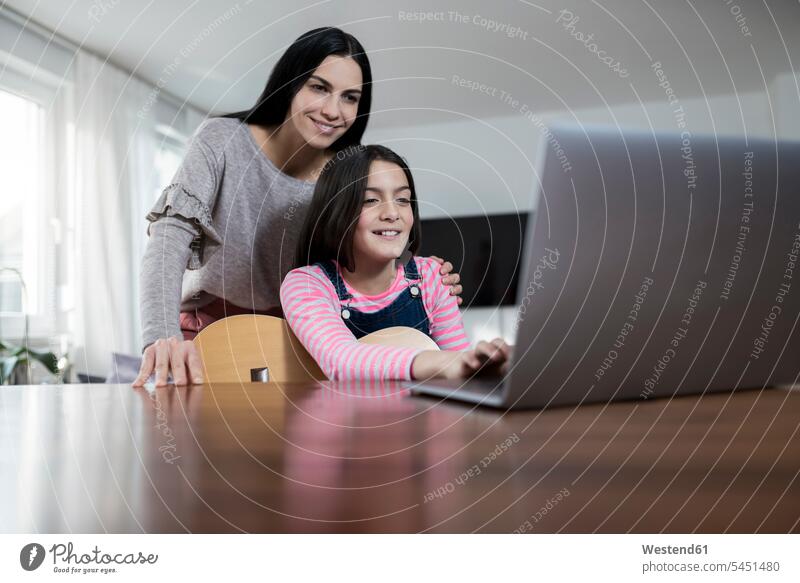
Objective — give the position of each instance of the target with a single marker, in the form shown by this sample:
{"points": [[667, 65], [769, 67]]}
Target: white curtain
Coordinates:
{"points": [[114, 148]]}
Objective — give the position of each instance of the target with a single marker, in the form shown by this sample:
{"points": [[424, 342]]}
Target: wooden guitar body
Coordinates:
{"points": [[239, 348]]}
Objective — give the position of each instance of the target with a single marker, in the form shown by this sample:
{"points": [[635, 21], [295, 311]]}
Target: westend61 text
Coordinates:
{"points": [[673, 550]]}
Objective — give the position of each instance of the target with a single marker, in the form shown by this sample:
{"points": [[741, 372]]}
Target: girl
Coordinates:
{"points": [[363, 216], [245, 184]]}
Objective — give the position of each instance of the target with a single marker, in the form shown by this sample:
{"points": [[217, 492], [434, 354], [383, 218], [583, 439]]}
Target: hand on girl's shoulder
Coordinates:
{"points": [[428, 266], [429, 269]]}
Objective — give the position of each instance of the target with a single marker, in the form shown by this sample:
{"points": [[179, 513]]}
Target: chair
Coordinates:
{"points": [[238, 349]]}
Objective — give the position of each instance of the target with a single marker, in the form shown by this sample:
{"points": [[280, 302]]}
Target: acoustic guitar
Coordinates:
{"points": [[256, 348]]}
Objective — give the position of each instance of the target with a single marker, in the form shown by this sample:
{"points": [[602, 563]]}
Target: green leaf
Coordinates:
{"points": [[48, 359], [7, 368], [21, 356]]}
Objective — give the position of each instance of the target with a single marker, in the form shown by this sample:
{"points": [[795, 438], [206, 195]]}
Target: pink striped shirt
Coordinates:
{"points": [[312, 310]]}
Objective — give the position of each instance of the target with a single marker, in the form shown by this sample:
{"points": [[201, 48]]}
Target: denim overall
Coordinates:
{"points": [[406, 310]]}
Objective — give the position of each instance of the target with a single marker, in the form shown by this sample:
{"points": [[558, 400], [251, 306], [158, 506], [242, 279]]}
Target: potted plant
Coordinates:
{"points": [[15, 363]]}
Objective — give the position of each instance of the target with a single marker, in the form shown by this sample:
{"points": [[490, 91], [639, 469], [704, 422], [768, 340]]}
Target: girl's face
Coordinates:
{"points": [[327, 104], [386, 218]]}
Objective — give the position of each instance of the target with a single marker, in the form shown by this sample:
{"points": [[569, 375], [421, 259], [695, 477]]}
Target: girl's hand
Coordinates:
{"points": [[439, 364], [489, 358], [174, 355], [450, 279], [486, 358]]}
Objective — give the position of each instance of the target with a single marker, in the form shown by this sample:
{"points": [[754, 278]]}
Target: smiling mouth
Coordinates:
{"points": [[325, 128], [387, 234]]}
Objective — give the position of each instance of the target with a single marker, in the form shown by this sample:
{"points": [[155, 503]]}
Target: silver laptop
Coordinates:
{"points": [[656, 265]]}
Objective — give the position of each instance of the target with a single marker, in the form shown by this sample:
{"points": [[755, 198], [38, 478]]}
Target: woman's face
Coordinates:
{"points": [[327, 104], [386, 215]]}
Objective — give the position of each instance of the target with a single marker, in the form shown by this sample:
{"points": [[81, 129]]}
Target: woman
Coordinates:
{"points": [[246, 181], [363, 217]]}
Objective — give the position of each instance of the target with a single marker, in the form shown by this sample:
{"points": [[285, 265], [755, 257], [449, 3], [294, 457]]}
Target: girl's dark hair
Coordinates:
{"points": [[295, 67], [335, 208]]}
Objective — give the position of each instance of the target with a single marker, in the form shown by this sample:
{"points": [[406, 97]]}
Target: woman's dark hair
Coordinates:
{"points": [[335, 208], [295, 67]]}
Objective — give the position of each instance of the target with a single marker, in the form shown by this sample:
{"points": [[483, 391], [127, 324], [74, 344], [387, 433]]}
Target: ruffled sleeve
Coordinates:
{"points": [[177, 201], [192, 195]]}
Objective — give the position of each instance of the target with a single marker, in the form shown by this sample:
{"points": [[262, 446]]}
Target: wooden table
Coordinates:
{"points": [[372, 458]]}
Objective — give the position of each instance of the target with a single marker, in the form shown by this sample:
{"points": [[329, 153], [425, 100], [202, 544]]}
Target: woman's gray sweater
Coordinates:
{"points": [[226, 227]]}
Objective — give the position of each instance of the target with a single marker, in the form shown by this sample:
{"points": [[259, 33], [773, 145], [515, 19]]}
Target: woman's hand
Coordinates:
{"points": [[173, 355], [451, 279]]}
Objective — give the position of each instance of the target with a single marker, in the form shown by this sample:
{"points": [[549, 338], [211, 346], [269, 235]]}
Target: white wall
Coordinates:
{"points": [[473, 167], [785, 101]]}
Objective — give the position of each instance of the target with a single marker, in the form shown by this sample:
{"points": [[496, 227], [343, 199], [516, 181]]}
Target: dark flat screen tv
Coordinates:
{"points": [[486, 250]]}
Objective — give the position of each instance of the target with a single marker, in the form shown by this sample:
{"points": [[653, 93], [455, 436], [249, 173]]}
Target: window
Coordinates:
{"points": [[51, 223], [171, 148], [22, 219]]}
